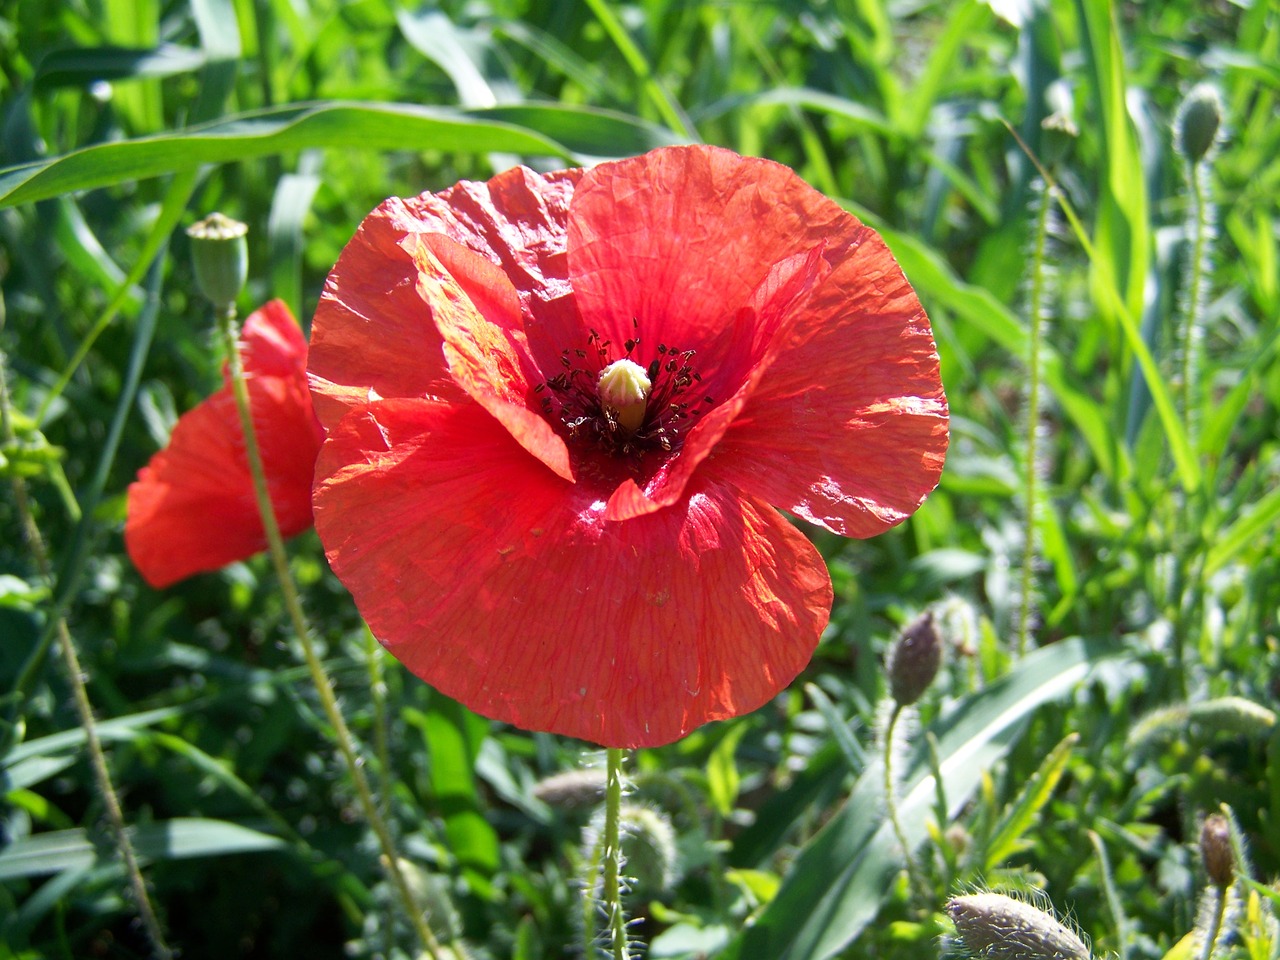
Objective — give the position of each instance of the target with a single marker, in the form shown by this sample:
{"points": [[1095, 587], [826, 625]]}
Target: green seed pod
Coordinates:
{"points": [[1215, 849], [1198, 121], [914, 660], [996, 927], [220, 256]]}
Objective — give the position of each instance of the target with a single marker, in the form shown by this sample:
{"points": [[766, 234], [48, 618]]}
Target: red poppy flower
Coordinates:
{"points": [[586, 546], [192, 507]]}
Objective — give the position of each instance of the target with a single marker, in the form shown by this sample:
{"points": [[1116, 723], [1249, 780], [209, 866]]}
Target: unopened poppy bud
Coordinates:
{"points": [[1198, 121], [623, 388], [914, 660], [220, 256], [572, 788], [1215, 848], [997, 927]]}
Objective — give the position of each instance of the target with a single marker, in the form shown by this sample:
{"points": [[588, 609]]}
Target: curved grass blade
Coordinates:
{"points": [[539, 130], [835, 887], [177, 839]]}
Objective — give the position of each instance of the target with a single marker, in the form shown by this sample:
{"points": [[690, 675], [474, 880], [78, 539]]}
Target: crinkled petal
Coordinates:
{"points": [[504, 587], [518, 220], [476, 310], [773, 307], [192, 508], [673, 243], [848, 428]]}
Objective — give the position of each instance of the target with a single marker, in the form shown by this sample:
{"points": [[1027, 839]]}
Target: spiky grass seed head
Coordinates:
{"points": [[996, 927]]}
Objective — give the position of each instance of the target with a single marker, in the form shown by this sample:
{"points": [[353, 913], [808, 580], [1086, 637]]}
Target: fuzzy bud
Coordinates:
{"points": [[1198, 121], [572, 788], [1058, 133], [914, 660], [220, 256], [997, 927], [1215, 848]]}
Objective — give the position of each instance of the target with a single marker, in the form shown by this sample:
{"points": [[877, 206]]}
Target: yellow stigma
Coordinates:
{"points": [[623, 388]]}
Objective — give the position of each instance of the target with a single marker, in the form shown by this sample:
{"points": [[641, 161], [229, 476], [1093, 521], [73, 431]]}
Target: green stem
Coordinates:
{"points": [[319, 677], [1195, 300], [84, 709], [612, 892], [378, 691], [891, 804], [1031, 477], [1215, 924]]}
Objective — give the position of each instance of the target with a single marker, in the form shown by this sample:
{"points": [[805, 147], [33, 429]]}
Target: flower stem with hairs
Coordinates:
{"points": [[319, 677], [80, 694], [616, 933], [1031, 468]]}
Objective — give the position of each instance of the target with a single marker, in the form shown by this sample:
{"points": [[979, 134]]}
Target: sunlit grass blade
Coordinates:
{"points": [[836, 886], [176, 839], [531, 130]]}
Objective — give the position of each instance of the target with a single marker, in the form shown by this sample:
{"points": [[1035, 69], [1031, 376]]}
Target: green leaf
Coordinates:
{"points": [[578, 133], [1006, 839], [837, 883], [177, 839], [723, 780]]}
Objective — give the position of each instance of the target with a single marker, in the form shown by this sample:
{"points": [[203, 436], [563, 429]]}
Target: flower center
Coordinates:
{"points": [[623, 388], [627, 409]]}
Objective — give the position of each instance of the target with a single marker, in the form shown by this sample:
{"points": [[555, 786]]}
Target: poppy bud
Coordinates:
{"points": [[1197, 123], [914, 660], [997, 927], [572, 788], [623, 388], [1215, 849], [220, 256]]}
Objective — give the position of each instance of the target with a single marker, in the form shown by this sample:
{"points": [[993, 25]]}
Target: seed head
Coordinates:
{"points": [[220, 256]]}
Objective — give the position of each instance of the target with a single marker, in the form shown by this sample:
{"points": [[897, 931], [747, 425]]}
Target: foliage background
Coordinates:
{"points": [[1152, 519]]}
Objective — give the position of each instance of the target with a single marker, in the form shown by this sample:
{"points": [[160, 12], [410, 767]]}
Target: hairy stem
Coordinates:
{"points": [[891, 805], [1198, 217], [319, 677], [84, 709], [1215, 922], [1031, 475], [612, 891]]}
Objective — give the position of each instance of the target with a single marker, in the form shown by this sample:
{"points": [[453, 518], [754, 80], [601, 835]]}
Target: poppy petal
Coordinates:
{"points": [[848, 429], [192, 508], [504, 587], [475, 308], [773, 306], [516, 220], [674, 242]]}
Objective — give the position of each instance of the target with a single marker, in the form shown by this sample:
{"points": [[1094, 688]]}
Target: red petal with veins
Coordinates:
{"points": [[504, 586], [192, 507], [849, 427]]}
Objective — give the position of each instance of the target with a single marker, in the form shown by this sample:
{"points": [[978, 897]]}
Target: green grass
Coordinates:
{"points": [[1157, 577]]}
